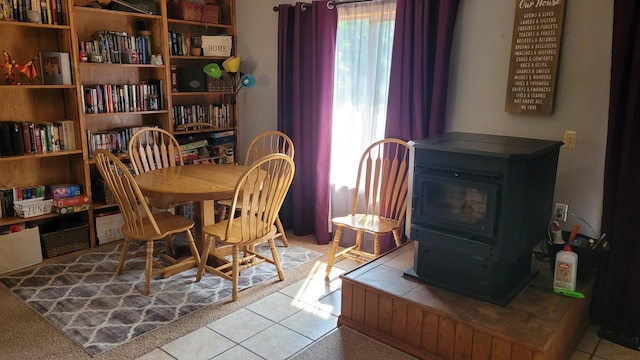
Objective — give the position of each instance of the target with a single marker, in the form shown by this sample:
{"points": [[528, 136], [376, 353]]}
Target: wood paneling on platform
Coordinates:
{"points": [[431, 323]]}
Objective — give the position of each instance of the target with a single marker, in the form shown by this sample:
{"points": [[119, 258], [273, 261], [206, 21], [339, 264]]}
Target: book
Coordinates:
{"points": [[56, 68], [6, 201], [68, 128], [58, 191], [193, 145], [72, 201], [6, 148], [159, 90], [71, 209], [17, 138], [26, 137]]}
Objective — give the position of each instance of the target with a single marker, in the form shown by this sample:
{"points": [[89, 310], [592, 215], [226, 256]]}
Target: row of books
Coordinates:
{"points": [[20, 138], [10, 194], [218, 115], [50, 10], [110, 98], [116, 47], [115, 140], [179, 43]]}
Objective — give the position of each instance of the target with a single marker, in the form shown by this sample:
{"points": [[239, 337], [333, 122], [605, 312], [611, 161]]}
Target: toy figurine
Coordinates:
{"points": [[156, 59], [9, 66], [29, 69]]}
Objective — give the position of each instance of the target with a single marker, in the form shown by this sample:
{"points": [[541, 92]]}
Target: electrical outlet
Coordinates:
{"points": [[560, 211], [570, 138]]}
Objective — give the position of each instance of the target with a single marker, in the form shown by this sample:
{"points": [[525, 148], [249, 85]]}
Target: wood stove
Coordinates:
{"points": [[479, 204]]}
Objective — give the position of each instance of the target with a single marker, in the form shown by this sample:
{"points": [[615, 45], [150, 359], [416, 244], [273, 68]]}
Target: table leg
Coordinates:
{"points": [[203, 214]]}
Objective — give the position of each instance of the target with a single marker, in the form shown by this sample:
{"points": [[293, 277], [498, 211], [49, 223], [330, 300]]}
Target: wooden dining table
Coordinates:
{"points": [[201, 183]]}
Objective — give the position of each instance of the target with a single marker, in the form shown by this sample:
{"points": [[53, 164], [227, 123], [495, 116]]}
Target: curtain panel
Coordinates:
{"points": [[616, 301], [420, 68], [306, 52]]}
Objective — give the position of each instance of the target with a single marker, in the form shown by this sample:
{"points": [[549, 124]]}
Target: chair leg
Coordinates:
{"points": [[169, 241], [235, 271], [376, 245], [276, 259], [148, 268], [358, 240], [334, 249], [123, 256], [397, 237], [193, 248], [281, 232], [223, 213], [204, 256]]}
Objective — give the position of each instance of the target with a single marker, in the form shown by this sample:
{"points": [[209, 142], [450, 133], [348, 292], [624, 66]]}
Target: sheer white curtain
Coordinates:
{"points": [[364, 43]]}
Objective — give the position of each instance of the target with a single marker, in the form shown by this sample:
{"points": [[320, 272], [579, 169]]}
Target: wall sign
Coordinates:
{"points": [[535, 49]]}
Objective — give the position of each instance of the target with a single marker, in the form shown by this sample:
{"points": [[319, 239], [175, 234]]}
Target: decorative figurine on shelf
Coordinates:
{"points": [[29, 69], [5, 10], [156, 59], [9, 66]]}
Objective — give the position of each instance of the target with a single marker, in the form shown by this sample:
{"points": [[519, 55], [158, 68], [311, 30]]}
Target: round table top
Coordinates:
{"points": [[190, 182]]}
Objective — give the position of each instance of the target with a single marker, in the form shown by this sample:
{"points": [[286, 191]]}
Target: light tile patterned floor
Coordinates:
{"points": [[285, 322]]}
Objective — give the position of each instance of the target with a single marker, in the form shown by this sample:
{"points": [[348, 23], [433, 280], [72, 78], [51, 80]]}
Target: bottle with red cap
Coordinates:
{"points": [[566, 269]]}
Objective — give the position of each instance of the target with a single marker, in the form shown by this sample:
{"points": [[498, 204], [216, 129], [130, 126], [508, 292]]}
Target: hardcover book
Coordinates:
{"points": [[56, 68]]}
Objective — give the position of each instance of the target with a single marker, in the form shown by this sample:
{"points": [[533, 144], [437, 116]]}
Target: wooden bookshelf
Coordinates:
{"points": [[31, 101]]}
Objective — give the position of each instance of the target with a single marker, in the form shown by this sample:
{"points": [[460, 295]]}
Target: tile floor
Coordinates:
{"points": [[284, 323]]}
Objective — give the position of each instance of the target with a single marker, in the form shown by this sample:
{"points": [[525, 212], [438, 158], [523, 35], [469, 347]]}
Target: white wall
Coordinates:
{"points": [[258, 49], [478, 81]]}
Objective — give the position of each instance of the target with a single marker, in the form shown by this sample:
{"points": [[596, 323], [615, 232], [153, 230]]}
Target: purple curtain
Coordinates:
{"points": [[616, 301], [306, 48], [420, 68]]}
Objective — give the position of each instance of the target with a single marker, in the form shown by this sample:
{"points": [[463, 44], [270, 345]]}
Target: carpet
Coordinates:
{"points": [[83, 298]]}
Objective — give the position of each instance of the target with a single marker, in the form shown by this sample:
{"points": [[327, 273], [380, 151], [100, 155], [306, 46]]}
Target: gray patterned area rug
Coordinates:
{"points": [[98, 310]]}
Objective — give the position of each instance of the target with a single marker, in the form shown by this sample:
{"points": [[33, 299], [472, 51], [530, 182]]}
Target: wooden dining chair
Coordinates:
{"points": [[153, 148], [140, 224], [379, 201], [260, 191], [265, 143]]}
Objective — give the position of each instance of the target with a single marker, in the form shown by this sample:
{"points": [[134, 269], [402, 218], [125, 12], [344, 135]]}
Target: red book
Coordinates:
{"points": [[26, 137], [38, 140]]}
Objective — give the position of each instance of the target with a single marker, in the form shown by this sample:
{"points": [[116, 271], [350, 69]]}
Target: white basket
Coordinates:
{"points": [[32, 207], [216, 45]]}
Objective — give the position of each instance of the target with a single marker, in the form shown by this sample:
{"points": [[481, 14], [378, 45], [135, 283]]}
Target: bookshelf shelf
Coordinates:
{"points": [[27, 25], [81, 11], [90, 64], [40, 155], [37, 86], [16, 220], [125, 113], [201, 131], [199, 93], [200, 24], [195, 58]]}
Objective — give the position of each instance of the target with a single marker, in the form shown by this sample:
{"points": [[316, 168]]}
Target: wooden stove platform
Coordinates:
{"points": [[431, 323]]}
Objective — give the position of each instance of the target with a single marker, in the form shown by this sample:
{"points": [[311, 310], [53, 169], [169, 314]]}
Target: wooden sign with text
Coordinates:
{"points": [[535, 49]]}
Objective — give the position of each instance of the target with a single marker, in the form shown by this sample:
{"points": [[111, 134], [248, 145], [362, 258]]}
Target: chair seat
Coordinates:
{"points": [[168, 224], [373, 224], [219, 229]]}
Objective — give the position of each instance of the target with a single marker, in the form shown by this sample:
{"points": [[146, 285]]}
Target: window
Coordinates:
{"points": [[364, 45]]}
